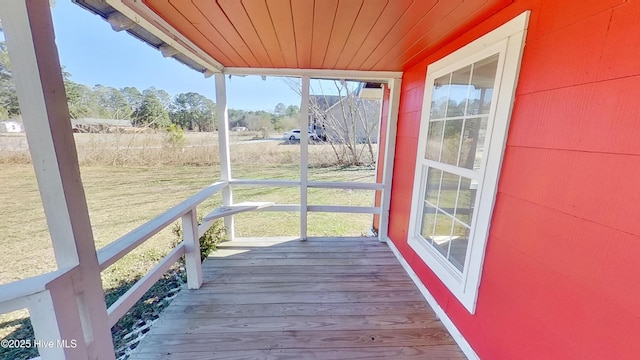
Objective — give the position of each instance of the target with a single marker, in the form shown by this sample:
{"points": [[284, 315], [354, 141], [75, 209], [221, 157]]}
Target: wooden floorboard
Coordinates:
{"points": [[280, 298], [257, 310], [303, 269], [296, 287], [303, 278], [440, 352]]}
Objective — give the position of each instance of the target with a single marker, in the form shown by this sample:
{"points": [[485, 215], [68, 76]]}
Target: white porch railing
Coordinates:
{"points": [[45, 295]]}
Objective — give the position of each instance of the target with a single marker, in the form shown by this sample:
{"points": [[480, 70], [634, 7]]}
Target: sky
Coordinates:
{"points": [[95, 54]]}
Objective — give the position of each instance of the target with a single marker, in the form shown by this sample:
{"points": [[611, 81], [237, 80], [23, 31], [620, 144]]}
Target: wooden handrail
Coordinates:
{"points": [[310, 184], [344, 209], [124, 245], [345, 185], [261, 182], [209, 219], [128, 299], [13, 295]]}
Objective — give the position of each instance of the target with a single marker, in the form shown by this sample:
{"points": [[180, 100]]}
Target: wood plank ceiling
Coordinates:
{"points": [[387, 35]]}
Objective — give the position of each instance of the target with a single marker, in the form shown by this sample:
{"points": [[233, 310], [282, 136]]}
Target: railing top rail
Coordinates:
{"points": [[311, 184], [119, 248], [265, 182], [345, 185], [12, 294]]}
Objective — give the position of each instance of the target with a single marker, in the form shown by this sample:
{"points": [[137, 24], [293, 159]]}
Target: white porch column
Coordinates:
{"points": [[37, 75], [192, 260], [389, 157], [223, 145], [304, 156]]}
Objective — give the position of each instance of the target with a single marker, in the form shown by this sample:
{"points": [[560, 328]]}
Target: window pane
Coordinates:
{"points": [[451, 144], [434, 177], [460, 106], [442, 236], [440, 97], [448, 192], [473, 143], [459, 244], [428, 222], [434, 140], [482, 83], [466, 200], [459, 91]]}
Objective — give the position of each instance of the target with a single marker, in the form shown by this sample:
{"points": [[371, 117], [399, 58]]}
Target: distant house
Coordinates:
{"points": [[93, 125], [240, 128], [11, 127], [341, 119], [370, 90]]}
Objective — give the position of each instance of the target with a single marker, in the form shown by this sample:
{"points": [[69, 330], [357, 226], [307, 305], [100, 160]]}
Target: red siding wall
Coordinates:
{"points": [[562, 267]]}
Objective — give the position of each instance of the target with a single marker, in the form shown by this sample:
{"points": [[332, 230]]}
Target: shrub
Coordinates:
{"points": [[175, 137], [208, 241]]}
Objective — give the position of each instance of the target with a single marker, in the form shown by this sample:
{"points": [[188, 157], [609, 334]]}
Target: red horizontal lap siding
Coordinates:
{"points": [[560, 273]]}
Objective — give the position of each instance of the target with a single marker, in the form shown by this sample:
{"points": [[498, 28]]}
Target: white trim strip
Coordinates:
{"points": [[345, 185], [235, 209], [446, 321], [281, 183], [389, 156], [451, 169], [317, 73], [304, 156], [140, 13], [281, 207], [344, 209]]}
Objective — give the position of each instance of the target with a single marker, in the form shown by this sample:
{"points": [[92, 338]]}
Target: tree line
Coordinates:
{"points": [[154, 108]]}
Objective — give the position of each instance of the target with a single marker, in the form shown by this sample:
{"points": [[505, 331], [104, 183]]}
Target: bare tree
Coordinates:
{"points": [[348, 123], [351, 124]]}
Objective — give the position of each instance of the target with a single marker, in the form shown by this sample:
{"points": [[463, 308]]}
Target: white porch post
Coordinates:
{"points": [[223, 145], [304, 156], [389, 156], [37, 75], [192, 249], [55, 316]]}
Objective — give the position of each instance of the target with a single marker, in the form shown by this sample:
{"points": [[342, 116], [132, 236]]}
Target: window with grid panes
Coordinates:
{"points": [[458, 120], [466, 109]]}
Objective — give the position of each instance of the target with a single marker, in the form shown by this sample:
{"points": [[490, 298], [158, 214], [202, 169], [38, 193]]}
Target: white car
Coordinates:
{"points": [[295, 135]]}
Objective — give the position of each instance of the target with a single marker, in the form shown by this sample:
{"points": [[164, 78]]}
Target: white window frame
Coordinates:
{"points": [[508, 41]]}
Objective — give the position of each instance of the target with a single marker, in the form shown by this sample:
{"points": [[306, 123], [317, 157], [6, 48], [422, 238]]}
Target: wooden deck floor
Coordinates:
{"points": [[341, 298]]}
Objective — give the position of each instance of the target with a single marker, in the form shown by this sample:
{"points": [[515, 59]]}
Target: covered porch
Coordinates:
{"points": [[258, 298]]}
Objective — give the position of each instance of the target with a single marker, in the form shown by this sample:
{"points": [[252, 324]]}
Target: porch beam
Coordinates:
{"points": [[29, 33], [389, 156], [304, 155], [360, 75], [223, 144], [141, 15]]}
